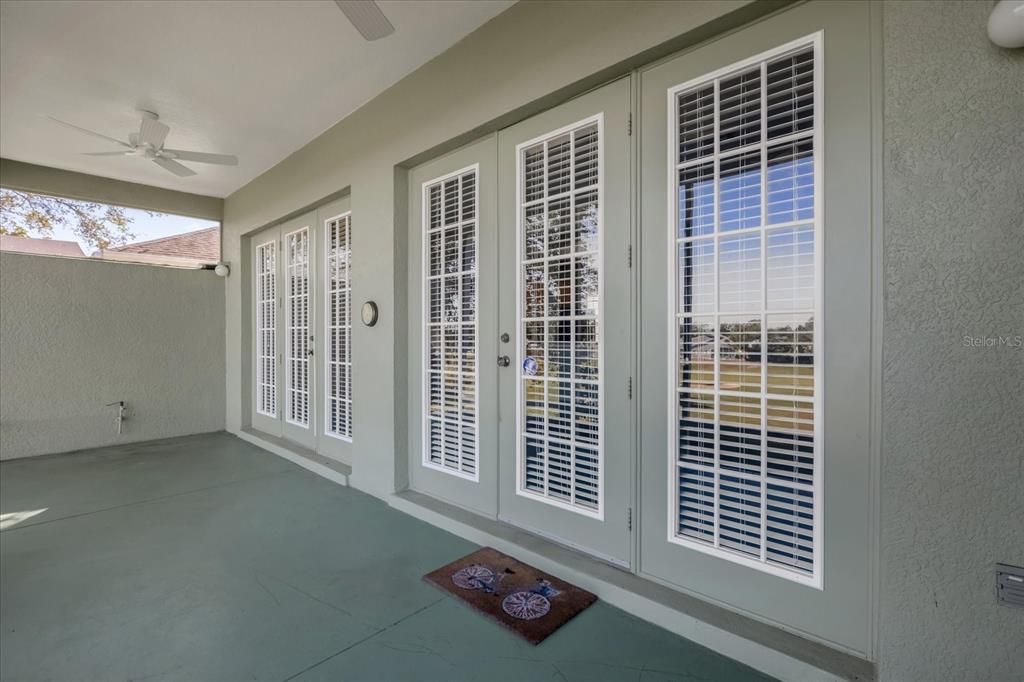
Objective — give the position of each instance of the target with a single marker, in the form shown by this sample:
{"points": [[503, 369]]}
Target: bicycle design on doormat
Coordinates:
{"points": [[522, 604]]}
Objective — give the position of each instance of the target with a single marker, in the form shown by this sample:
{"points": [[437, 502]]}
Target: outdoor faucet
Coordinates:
{"points": [[120, 414]]}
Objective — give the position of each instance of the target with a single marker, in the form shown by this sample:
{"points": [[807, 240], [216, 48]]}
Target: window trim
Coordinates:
{"points": [[520, 472], [257, 329], [814, 40], [310, 424], [424, 233], [327, 328]]}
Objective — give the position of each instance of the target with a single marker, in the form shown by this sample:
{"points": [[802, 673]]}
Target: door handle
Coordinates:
{"points": [[503, 361]]}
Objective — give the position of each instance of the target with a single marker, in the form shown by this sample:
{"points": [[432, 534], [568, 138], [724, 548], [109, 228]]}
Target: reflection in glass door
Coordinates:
{"points": [[745, 466], [559, 443]]}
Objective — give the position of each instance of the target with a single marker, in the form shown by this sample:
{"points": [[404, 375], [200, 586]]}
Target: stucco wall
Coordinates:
{"points": [[953, 425], [76, 335]]}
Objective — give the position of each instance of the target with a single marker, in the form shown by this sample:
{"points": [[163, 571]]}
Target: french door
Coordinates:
{"points": [[755, 261], [284, 316], [453, 411], [519, 311], [564, 320], [302, 329]]}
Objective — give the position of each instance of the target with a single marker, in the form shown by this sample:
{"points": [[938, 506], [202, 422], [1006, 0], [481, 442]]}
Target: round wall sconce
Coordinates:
{"points": [[1006, 24], [222, 269], [369, 313]]}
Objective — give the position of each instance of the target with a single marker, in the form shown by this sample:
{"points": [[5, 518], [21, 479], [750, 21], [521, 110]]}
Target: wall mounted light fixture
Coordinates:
{"points": [[1006, 23], [369, 313]]}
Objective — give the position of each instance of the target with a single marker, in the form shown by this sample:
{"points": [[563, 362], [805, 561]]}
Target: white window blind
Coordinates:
{"points": [[297, 331], [266, 329], [338, 262], [745, 230], [450, 426], [559, 405]]}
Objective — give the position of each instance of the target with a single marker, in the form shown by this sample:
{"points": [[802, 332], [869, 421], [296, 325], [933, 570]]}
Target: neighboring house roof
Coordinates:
{"points": [[41, 247], [201, 245]]}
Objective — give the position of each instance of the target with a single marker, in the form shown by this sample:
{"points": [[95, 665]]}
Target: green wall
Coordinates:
{"points": [[953, 413]]}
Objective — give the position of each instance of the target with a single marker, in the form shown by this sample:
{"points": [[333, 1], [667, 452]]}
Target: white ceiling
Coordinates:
{"points": [[258, 79]]}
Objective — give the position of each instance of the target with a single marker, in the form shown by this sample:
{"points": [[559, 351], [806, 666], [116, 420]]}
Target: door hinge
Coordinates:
{"points": [[629, 256], [629, 124], [629, 388], [629, 518]]}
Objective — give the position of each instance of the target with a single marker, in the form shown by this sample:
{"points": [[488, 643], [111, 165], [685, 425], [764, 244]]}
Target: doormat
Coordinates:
{"points": [[527, 601]]}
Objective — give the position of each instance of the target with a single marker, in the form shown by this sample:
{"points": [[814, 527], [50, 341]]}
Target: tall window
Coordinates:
{"points": [[266, 329], [559, 414], [338, 255], [297, 331], [746, 236], [450, 426]]}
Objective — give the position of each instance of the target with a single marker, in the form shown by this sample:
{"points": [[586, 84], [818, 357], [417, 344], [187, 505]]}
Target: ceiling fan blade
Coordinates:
{"points": [[174, 167], [90, 132], [202, 157], [153, 132], [366, 16], [104, 153]]}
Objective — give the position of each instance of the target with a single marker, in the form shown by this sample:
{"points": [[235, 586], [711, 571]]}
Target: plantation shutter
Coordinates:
{"points": [[559, 407], [297, 332], [266, 329], [747, 231], [451, 440], [338, 366]]}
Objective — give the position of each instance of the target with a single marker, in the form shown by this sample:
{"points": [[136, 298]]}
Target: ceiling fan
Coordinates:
{"points": [[367, 17], [148, 143]]}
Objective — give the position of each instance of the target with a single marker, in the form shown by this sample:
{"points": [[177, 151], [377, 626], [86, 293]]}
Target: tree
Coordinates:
{"points": [[24, 214]]}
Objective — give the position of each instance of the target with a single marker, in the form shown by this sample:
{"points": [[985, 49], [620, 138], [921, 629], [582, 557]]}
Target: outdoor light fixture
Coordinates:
{"points": [[369, 313], [222, 269], [1006, 23]]}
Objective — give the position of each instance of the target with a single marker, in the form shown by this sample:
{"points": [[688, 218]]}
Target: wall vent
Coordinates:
{"points": [[1010, 585]]}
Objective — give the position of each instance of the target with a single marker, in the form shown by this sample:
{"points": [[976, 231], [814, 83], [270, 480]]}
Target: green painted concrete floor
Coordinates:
{"points": [[206, 558]]}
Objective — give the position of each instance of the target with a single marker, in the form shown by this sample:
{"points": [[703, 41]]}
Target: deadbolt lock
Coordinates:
{"points": [[504, 337]]}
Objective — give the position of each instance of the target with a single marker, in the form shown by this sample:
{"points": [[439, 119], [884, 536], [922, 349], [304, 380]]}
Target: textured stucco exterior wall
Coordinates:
{"points": [[76, 335], [953, 424]]}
